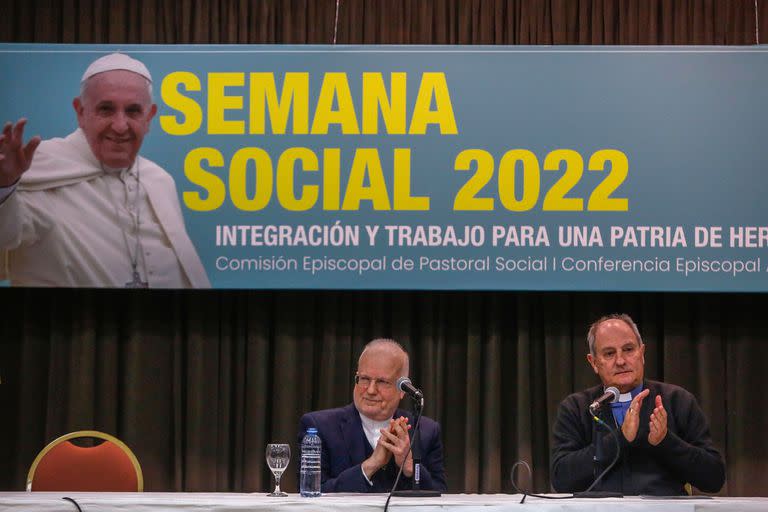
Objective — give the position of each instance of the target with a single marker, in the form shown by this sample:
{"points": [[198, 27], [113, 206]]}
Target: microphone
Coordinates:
{"points": [[611, 395], [405, 385]]}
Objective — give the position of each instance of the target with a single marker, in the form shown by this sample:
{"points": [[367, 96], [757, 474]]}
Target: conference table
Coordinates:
{"points": [[226, 502]]}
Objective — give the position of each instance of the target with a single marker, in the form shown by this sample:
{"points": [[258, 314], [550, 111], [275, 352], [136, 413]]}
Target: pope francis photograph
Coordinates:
{"points": [[87, 210]]}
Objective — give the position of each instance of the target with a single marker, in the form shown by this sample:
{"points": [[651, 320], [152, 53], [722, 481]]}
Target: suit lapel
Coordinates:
{"points": [[353, 436]]}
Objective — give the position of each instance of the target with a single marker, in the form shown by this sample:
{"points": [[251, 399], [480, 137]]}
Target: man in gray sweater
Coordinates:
{"points": [[663, 434]]}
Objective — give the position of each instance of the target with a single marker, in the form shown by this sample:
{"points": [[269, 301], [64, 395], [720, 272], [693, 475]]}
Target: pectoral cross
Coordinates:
{"points": [[137, 282]]}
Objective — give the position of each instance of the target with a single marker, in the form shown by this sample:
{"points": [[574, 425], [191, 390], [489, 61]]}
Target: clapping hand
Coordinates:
{"points": [[632, 418], [398, 442], [378, 459], [658, 423]]}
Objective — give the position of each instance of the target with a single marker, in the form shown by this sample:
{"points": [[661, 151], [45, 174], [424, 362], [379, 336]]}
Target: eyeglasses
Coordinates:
{"points": [[364, 382]]}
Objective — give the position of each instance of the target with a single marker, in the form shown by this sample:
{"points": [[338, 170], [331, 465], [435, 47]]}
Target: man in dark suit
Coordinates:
{"points": [[366, 442]]}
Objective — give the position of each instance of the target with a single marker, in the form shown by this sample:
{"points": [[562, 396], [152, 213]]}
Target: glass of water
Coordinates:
{"points": [[278, 457]]}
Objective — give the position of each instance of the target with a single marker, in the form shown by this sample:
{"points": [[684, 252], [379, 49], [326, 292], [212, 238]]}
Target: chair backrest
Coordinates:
{"points": [[65, 466]]}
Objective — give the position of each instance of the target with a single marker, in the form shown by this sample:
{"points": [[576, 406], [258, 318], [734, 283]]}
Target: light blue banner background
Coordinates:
{"points": [[691, 121]]}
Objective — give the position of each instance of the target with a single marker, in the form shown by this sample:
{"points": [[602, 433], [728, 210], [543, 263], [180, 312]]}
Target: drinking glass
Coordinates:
{"points": [[278, 456]]}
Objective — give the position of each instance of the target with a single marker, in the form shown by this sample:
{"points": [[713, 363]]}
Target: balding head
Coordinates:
{"points": [[616, 352], [386, 347]]}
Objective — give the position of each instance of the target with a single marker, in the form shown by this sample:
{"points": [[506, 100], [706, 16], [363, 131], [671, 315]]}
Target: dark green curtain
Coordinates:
{"points": [[197, 382]]}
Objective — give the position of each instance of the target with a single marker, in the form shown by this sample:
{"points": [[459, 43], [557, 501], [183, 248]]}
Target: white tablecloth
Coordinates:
{"points": [[224, 502]]}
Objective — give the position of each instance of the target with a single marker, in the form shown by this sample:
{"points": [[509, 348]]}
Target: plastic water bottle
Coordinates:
{"points": [[309, 480]]}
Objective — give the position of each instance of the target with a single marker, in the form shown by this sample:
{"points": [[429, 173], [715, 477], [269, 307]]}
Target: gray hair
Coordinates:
{"points": [[613, 316], [84, 86], [392, 345]]}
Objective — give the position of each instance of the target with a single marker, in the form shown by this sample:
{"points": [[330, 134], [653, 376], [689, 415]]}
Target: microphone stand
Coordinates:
{"points": [[597, 460], [416, 491]]}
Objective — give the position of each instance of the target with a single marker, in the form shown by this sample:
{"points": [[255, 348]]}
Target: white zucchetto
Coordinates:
{"points": [[115, 61]]}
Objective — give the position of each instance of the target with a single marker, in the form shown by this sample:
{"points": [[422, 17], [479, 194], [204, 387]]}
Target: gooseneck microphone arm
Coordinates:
{"points": [[611, 395], [589, 493], [405, 385]]}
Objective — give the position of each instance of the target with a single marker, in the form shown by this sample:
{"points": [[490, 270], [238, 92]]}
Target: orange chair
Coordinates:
{"points": [[65, 466]]}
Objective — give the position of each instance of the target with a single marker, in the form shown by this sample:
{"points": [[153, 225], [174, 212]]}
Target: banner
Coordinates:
{"points": [[431, 167]]}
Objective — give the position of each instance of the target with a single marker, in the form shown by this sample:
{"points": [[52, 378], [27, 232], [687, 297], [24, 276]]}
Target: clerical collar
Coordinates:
{"points": [[119, 172], [627, 397], [112, 170], [372, 428]]}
